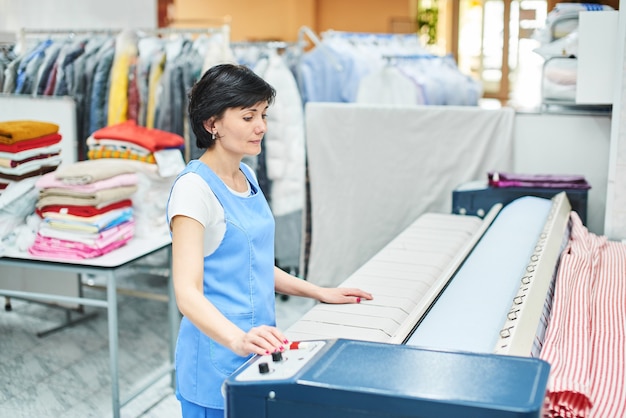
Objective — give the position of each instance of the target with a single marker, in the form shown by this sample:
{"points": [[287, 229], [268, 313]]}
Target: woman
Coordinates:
{"points": [[223, 243]]}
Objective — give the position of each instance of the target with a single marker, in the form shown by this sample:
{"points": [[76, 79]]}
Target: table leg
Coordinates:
{"points": [[113, 342], [174, 318]]}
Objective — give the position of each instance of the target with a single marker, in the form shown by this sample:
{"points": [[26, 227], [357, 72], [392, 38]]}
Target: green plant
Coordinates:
{"points": [[427, 18]]}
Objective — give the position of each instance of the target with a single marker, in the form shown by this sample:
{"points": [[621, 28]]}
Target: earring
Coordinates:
{"points": [[213, 136]]}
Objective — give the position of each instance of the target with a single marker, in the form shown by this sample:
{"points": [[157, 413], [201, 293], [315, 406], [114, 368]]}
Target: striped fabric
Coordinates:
{"points": [[543, 321], [585, 340], [103, 152]]}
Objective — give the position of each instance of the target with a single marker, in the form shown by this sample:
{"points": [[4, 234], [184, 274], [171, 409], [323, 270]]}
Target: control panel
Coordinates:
{"points": [[359, 379], [280, 365]]}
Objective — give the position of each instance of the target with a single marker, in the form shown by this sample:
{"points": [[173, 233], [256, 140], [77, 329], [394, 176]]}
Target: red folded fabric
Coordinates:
{"points": [[79, 210], [149, 138], [42, 141]]}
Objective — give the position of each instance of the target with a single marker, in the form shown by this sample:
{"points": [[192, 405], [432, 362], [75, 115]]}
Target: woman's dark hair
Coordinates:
{"points": [[222, 87]]}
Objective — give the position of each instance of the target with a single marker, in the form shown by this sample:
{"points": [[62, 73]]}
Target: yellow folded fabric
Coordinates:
{"points": [[13, 131], [103, 152]]}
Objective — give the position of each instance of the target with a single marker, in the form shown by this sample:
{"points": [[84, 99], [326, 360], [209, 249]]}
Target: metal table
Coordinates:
{"points": [[107, 267]]}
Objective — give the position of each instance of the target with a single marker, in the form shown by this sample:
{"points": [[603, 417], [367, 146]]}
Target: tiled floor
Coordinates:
{"points": [[66, 373]]}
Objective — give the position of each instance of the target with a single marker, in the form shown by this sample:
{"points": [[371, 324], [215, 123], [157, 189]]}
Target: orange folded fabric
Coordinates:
{"points": [[20, 130], [149, 138]]}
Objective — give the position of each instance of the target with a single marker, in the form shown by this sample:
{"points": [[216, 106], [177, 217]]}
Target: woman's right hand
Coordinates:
{"points": [[261, 340]]}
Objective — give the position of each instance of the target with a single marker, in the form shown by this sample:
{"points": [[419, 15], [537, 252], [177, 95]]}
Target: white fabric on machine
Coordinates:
{"points": [[374, 169], [465, 318]]}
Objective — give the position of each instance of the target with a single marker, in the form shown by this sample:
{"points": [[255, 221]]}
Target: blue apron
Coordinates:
{"points": [[238, 280]]}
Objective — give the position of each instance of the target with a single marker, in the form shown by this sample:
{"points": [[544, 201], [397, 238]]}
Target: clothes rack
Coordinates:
{"points": [[407, 57], [25, 34], [276, 45], [223, 29], [91, 104], [47, 33]]}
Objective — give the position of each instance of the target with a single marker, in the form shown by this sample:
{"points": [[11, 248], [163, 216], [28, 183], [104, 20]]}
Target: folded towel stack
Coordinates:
{"points": [[127, 140], [28, 148], [86, 209]]}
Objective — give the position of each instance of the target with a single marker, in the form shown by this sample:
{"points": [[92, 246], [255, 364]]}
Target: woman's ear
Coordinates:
{"points": [[209, 125]]}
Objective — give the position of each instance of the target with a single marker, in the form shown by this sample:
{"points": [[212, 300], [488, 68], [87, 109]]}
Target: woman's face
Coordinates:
{"points": [[241, 130]]}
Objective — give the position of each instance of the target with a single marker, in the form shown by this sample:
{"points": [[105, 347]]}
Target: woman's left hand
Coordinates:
{"points": [[344, 295]]}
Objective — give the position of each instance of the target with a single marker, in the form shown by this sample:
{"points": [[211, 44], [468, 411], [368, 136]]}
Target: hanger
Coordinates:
{"points": [[305, 30]]}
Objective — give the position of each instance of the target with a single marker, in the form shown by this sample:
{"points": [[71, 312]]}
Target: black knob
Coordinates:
{"points": [[264, 368], [277, 356]]}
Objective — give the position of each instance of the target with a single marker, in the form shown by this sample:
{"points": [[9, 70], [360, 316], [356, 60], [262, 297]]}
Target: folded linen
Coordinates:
{"points": [[97, 240], [32, 165], [81, 210], [22, 155], [50, 181], [13, 131], [42, 141], [58, 249], [15, 162], [556, 181], [149, 138], [94, 224], [47, 198], [88, 171]]}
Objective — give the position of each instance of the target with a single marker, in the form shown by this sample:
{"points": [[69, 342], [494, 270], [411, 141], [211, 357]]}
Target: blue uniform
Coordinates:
{"points": [[238, 280]]}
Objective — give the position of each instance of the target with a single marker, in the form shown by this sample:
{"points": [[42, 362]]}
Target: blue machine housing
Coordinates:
{"points": [[350, 379]]}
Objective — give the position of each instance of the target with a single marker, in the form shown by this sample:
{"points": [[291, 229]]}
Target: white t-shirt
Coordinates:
{"points": [[191, 196]]}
